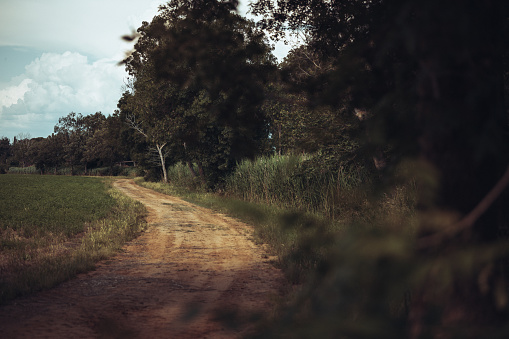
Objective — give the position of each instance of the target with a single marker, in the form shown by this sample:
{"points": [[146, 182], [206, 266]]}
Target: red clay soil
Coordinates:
{"points": [[193, 273]]}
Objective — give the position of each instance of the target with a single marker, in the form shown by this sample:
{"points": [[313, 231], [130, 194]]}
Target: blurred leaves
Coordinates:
{"points": [[429, 75]]}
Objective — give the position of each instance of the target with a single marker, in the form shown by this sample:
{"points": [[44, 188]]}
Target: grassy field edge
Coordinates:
{"points": [[60, 262]]}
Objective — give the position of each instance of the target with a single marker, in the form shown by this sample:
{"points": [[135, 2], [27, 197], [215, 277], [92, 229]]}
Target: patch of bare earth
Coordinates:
{"points": [[193, 274]]}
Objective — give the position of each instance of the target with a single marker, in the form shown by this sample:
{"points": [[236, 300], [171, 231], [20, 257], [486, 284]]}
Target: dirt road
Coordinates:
{"points": [[192, 274]]}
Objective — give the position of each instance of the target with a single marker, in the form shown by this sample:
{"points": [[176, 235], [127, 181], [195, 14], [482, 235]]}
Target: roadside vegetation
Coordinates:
{"points": [[266, 193], [54, 227]]}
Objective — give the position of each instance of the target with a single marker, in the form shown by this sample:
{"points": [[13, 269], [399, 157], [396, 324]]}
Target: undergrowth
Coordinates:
{"points": [[294, 182], [300, 239]]}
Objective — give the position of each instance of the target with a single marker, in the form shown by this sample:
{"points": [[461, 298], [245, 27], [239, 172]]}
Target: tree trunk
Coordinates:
{"points": [[201, 172], [191, 169], [279, 138], [163, 162]]}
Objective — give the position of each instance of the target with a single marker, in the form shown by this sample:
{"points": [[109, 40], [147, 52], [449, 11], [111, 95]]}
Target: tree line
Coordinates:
{"points": [[78, 141]]}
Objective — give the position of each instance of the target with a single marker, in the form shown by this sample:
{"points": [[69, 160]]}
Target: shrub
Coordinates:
{"points": [[297, 182], [23, 170]]}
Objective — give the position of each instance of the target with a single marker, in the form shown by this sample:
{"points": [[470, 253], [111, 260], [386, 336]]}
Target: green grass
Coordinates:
{"points": [[181, 178], [52, 228], [34, 204], [289, 182]]}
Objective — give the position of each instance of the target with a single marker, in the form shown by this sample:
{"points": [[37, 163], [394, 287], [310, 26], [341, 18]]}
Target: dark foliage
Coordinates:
{"points": [[430, 78]]}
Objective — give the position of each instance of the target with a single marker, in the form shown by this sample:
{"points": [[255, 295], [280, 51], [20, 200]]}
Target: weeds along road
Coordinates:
{"points": [[192, 274]]}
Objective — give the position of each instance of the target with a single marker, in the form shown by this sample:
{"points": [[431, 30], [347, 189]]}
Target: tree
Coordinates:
{"points": [[141, 114], [209, 66], [77, 129], [48, 153], [21, 149], [5, 154], [461, 120], [311, 125], [133, 145], [71, 128], [296, 127], [104, 147]]}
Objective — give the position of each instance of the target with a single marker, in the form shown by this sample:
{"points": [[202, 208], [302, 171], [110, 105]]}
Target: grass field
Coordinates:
{"points": [[32, 204], [53, 227]]}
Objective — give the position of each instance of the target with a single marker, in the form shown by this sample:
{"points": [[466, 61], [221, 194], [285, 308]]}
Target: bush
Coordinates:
{"points": [[131, 172], [297, 182], [23, 170], [181, 177], [152, 174], [115, 171]]}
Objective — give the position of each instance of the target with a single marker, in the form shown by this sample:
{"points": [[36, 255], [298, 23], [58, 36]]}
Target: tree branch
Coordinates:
{"points": [[131, 121], [469, 220]]}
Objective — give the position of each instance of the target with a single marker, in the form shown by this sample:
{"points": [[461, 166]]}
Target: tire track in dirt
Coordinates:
{"points": [[192, 270]]}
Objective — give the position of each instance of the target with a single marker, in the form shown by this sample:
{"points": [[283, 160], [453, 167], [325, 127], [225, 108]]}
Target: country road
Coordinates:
{"points": [[192, 274]]}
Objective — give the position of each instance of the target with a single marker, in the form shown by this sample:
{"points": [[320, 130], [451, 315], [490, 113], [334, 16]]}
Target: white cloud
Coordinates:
{"points": [[10, 95], [58, 83], [55, 85]]}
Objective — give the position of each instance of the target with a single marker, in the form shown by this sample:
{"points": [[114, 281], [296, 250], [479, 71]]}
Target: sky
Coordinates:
{"points": [[60, 56]]}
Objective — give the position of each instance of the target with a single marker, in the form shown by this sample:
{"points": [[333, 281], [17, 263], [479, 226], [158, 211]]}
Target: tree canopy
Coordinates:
{"points": [[198, 72]]}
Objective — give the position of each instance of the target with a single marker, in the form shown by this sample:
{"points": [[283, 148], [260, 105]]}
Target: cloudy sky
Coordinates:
{"points": [[60, 56]]}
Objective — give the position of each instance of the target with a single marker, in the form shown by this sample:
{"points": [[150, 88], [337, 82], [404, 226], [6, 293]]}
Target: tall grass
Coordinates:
{"points": [[52, 228], [181, 177], [285, 181]]}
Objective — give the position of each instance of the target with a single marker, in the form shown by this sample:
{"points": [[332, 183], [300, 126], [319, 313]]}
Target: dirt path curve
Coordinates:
{"points": [[182, 278]]}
